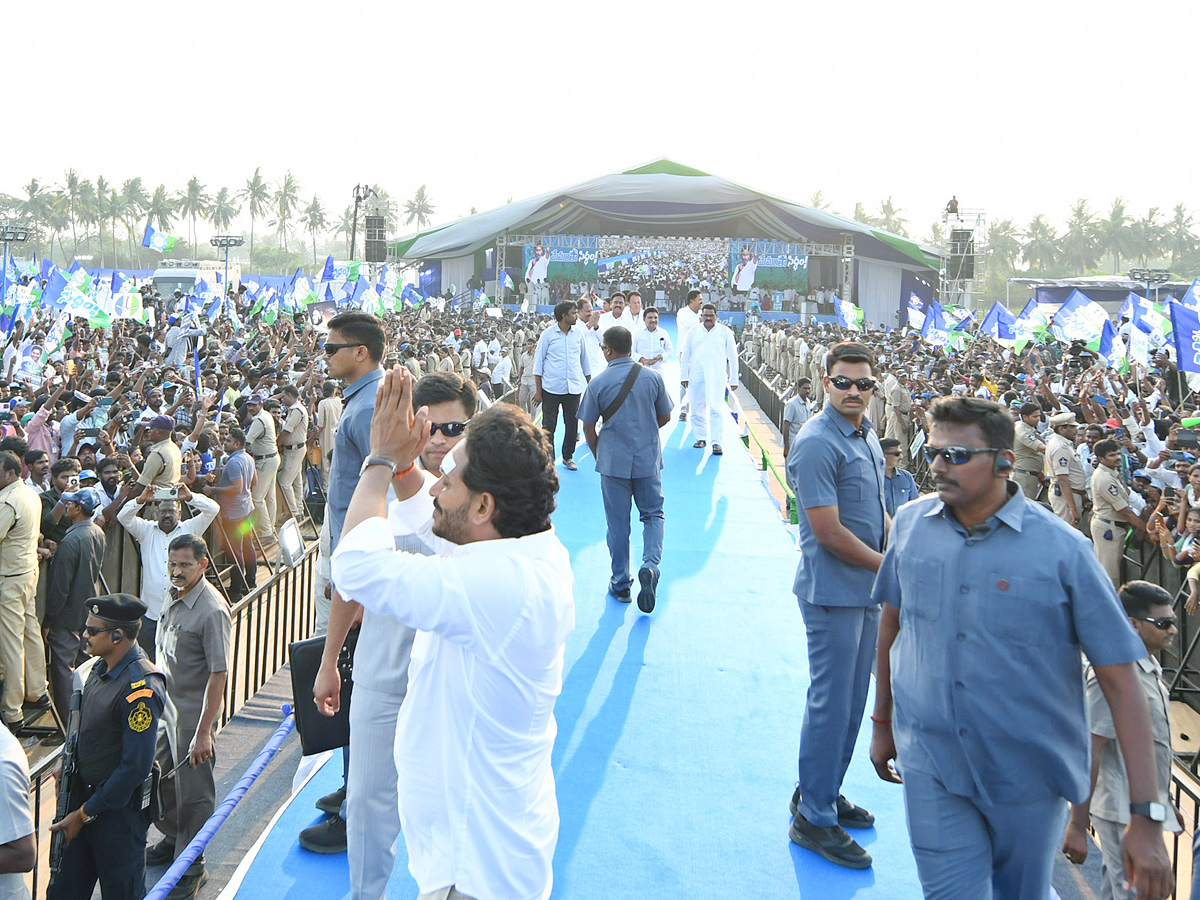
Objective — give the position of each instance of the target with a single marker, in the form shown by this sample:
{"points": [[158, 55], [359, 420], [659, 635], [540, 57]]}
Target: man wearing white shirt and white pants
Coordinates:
{"points": [[155, 537], [492, 611], [708, 365], [686, 319]]}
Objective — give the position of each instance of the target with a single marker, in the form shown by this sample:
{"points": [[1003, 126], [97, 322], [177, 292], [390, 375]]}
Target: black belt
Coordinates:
{"points": [[288, 447], [1110, 521], [1027, 471], [264, 456]]}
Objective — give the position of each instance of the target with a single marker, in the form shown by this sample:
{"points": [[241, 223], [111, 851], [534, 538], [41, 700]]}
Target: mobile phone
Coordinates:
{"points": [[104, 401], [1178, 455], [5, 415], [90, 432], [1169, 492], [171, 493]]}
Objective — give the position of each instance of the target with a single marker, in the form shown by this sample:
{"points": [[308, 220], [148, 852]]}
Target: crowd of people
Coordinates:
{"points": [[197, 440]]}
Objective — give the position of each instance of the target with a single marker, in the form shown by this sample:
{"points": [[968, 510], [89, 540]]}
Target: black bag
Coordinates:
{"points": [[319, 733]]}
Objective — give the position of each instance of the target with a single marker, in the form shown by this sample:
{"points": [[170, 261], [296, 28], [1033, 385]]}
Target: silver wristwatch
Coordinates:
{"points": [[376, 461]]}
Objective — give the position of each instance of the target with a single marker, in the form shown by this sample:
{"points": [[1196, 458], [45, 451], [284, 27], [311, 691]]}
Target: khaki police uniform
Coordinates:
{"points": [[1061, 459], [1028, 449], [261, 438], [1110, 498], [21, 650], [162, 466], [291, 458]]}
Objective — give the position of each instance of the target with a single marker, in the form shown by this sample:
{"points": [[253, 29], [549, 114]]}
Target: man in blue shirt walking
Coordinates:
{"points": [[988, 600], [629, 459], [837, 467]]}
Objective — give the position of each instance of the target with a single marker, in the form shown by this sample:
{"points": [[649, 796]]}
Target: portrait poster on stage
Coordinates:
{"points": [[767, 265], [562, 259]]}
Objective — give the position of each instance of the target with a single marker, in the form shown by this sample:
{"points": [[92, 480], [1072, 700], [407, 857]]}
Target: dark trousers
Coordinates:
{"points": [[189, 796], [66, 652], [146, 636], [570, 410], [112, 850], [239, 543]]}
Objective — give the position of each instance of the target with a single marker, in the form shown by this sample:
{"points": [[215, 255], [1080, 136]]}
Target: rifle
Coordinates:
{"points": [[70, 768]]}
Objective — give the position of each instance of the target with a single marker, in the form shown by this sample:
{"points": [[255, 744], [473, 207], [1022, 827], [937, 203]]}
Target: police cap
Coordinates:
{"points": [[117, 607]]}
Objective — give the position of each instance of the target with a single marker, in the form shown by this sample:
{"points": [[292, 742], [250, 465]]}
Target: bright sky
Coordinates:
{"points": [[1018, 108]]}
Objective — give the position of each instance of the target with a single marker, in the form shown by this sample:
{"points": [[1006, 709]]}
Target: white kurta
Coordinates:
{"points": [[709, 364], [474, 736]]}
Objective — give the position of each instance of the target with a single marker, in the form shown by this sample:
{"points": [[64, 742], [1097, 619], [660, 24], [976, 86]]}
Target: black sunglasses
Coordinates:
{"points": [[1161, 624], [331, 349], [92, 630], [449, 429], [956, 456], [842, 383]]}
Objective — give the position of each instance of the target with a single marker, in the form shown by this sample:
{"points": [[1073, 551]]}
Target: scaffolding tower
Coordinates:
{"points": [[963, 269]]}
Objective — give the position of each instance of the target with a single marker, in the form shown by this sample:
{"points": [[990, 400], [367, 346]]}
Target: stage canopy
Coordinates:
{"points": [[663, 198]]}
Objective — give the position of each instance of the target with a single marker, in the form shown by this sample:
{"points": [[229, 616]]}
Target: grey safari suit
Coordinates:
{"points": [[629, 460]]}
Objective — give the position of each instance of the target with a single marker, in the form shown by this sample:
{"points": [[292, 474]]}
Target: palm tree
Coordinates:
{"points": [[60, 221], [1041, 244], [286, 197], [70, 193], [104, 200], [135, 200], [193, 202], [861, 215], [1003, 243], [87, 210], [34, 207], [1179, 238], [160, 209], [223, 211], [118, 210], [1113, 235], [1079, 248], [345, 226], [419, 208], [313, 218], [891, 219], [818, 201], [1148, 236], [937, 237], [257, 194]]}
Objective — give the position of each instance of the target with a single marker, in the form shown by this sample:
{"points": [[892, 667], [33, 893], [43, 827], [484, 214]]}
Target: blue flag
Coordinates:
{"points": [[506, 280], [356, 295], [934, 330], [47, 268], [327, 272], [1191, 298], [999, 323], [1186, 333], [54, 290], [1079, 319], [329, 291], [196, 366]]}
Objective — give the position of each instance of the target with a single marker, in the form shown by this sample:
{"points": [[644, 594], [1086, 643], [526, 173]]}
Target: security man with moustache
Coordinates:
{"points": [[1029, 450], [122, 702], [1110, 510], [1064, 471]]}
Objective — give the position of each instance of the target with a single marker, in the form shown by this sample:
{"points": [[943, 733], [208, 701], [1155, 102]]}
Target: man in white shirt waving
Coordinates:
{"points": [[492, 611]]}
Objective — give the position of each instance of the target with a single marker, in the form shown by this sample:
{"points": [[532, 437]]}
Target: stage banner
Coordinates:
{"points": [[664, 262], [562, 259], [770, 265]]}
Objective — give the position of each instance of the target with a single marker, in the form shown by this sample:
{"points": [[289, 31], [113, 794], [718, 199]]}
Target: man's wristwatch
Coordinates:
{"points": [[376, 461], [1155, 812]]}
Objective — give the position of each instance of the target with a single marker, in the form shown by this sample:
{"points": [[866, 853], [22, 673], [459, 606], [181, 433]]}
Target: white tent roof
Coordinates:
{"points": [[662, 198]]}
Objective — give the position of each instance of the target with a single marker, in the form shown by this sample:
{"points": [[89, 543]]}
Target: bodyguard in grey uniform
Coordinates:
{"points": [[629, 458], [837, 467], [381, 660], [979, 645]]}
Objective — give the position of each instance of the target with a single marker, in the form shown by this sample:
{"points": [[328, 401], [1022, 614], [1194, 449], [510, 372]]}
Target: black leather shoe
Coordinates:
{"points": [[42, 702], [646, 595], [325, 837], [160, 854], [717, 451], [832, 843], [332, 803], [188, 886], [849, 815], [624, 596]]}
